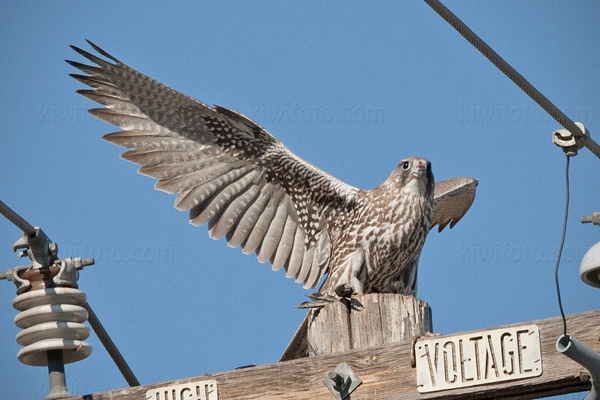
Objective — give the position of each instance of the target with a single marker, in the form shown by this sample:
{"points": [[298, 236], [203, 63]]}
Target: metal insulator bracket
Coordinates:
{"points": [[67, 276], [570, 144], [38, 247], [14, 275], [69, 270]]}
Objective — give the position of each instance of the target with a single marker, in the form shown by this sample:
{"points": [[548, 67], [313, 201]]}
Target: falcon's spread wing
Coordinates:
{"points": [[452, 199], [225, 168]]}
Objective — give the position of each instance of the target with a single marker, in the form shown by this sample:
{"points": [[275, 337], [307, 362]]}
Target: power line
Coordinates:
{"points": [[513, 75], [93, 320], [16, 219], [111, 348]]}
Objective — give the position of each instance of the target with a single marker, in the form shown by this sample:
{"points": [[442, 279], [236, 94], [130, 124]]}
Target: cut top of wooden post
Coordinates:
{"points": [[381, 318]]}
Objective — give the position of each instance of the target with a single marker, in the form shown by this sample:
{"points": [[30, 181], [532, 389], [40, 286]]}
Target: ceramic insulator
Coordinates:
{"points": [[52, 319]]}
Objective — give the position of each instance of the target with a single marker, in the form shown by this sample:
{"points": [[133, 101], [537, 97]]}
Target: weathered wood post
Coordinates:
{"points": [[369, 320]]}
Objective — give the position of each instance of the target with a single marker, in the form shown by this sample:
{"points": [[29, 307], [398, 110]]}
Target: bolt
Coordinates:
{"points": [[334, 376], [340, 383], [6, 275], [79, 263], [584, 376], [570, 151], [594, 219], [53, 247]]}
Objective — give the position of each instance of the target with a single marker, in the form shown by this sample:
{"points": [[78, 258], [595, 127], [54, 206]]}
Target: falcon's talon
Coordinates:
{"points": [[318, 300], [311, 304], [321, 297], [356, 305]]}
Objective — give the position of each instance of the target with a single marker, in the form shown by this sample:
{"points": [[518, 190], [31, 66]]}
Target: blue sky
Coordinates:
{"points": [[352, 88]]}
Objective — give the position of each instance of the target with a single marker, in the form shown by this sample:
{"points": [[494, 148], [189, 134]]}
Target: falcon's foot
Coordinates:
{"points": [[345, 290], [318, 300]]}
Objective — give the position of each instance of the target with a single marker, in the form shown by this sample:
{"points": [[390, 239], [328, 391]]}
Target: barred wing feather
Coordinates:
{"points": [[452, 199], [226, 170]]}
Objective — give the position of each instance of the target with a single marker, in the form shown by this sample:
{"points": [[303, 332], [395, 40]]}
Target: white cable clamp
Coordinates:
{"points": [[570, 144]]}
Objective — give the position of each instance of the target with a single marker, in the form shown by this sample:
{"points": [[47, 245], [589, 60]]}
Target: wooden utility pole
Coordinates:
{"points": [[366, 321], [386, 372]]}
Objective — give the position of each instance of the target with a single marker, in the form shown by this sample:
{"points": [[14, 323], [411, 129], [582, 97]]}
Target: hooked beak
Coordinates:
{"points": [[419, 170]]}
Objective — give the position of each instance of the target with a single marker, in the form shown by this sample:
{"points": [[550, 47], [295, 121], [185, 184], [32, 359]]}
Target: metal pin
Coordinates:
{"points": [[342, 381]]}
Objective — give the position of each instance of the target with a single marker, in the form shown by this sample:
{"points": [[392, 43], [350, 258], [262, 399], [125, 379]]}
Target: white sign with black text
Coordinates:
{"points": [[479, 358], [201, 390]]}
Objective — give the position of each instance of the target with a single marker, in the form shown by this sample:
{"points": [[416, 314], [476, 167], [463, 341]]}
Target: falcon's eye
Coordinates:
{"points": [[428, 166], [405, 165]]}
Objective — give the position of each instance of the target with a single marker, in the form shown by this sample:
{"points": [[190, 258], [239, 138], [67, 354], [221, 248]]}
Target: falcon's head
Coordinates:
{"points": [[413, 174]]}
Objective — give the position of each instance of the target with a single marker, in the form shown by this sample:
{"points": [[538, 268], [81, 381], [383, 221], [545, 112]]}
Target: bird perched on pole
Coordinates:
{"points": [[231, 173]]}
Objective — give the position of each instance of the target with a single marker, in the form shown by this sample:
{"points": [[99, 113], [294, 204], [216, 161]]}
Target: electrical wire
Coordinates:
{"points": [[513, 74], [16, 219], [111, 348], [535, 95], [560, 249]]}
